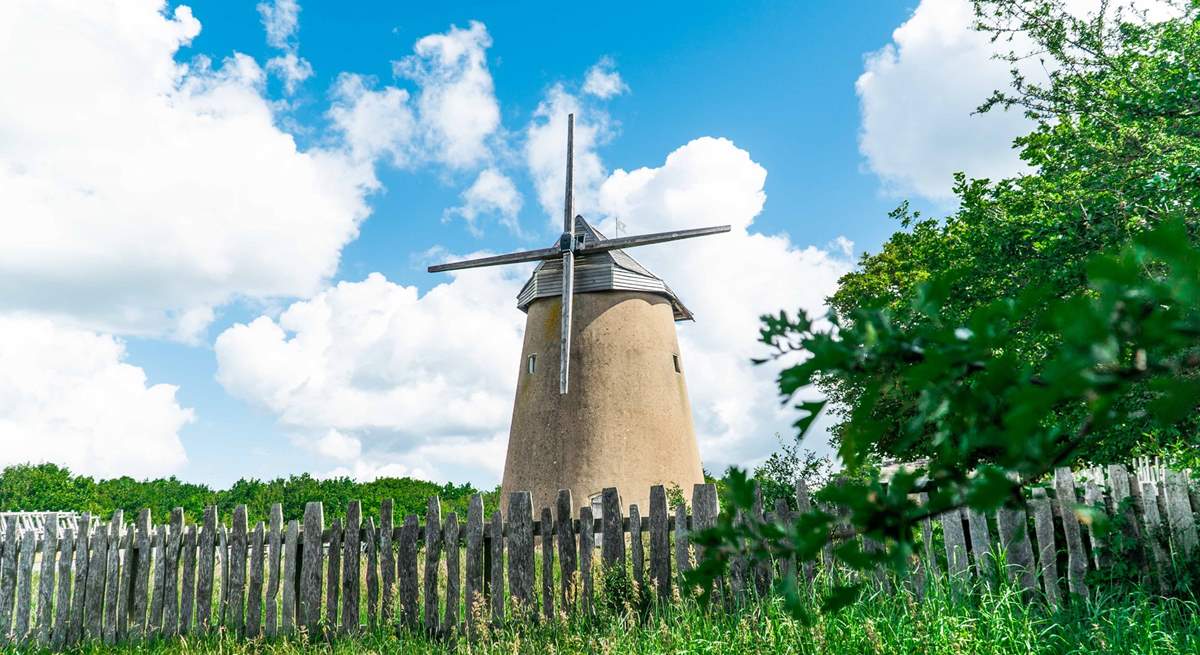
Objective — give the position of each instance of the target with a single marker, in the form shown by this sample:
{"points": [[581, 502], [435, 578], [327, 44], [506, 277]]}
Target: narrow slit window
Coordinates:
{"points": [[531, 365], [675, 361]]}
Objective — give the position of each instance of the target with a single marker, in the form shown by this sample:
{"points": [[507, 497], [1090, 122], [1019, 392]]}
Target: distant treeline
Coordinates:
{"points": [[48, 487]]}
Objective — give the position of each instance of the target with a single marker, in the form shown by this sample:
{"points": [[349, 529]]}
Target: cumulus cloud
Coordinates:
{"points": [[145, 212], [918, 93], [281, 20], [546, 151], [728, 281], [373, 123], [385, 375], [917, 96], [603, 80], [67, 396], [457, 105], [492, 193]]}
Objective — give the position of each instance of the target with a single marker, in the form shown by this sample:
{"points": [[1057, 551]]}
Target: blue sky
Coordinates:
{"points": [[821, 98]]}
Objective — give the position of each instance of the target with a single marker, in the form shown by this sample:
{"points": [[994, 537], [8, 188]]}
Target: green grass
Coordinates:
{"points": [[992, 622]]}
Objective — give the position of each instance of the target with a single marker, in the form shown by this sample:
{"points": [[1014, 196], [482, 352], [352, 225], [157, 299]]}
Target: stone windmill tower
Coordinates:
{"points": [[607, 326]]}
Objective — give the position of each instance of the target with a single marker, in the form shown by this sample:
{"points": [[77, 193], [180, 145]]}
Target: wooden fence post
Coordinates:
{"points": [[1154, 534], [8, 580], [1043, 521], [474, 581], [453, 557], [705, 509], [587, 544], [956, 549], [205, 568], [520, 555], [333, 578], [79, 585], [371, 536], [46, 581], [612, 551], [275, 548], [309, 614], [1179, 515], [387, 560], [1064, 486], [173, 545], [351, 568], [235, 619], [1014, 539], [187, 597], [683, 559], [62, 604], [97, 575], [567, 554], [254, 591], [291, 549], [547, 525], [497, 535], [660, 543], [25, 586], [406, 562], [637, 554], [433, 553]]}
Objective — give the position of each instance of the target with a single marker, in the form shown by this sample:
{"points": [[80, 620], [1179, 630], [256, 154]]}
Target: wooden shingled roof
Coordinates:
{"points": [[613, 270]]}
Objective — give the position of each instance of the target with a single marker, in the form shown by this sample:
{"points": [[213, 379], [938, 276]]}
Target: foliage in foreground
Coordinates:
{"points": [[997, 622], [48, 487]]}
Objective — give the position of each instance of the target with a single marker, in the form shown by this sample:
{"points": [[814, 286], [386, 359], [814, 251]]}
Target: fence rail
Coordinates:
{"points": [[115, 581]]}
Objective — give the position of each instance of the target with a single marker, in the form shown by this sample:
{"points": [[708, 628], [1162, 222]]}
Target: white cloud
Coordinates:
{"points": [[281, 19], [457, 105], [142, 193], [290, 68], [491, 193], [426, 381], [916, 99], [603, 80], [373, 123], [728, 281], [67, 396], [918, 93], [546, 151]]}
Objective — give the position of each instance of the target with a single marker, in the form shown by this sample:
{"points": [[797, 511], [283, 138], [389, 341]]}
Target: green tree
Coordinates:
{"points": [[1115, 152]]}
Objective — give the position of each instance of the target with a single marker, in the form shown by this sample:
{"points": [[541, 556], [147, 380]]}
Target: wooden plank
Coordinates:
{"points": [[705, 508], [97, 575], [274, 555], [497, 582], [351, 567], [205, 568], [112, 587], [762, 567], [371, 536], [1064, 487], [520, 553], [1014, 539], [981, 545], [333, 578], [660, 543], [235, 617], [45, 604], [930, 566], [474, 566], [803, 506], [387, 560], [254, 590], [406, 570], [62, 603], [1179, 516], [171, 577], [587, 544], [1155, 535], [957, 564], [783, 516], [125, 581], [8, 579], [1124, 504], [1094, 498], [637, 552], [187, 594], [612, 546], [1043, 526], [683, 561], [25, 557], [223, 553], [547, 534], [567, 554], [79, 584], [433, 553], [309, 610], [291, 566], [453, 556]]}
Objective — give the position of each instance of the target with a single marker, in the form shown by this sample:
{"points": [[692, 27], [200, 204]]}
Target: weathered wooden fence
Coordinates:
{"points": [[121, 581]]}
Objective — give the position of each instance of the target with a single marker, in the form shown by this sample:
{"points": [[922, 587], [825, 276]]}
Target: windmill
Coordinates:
{"points": [[571, 244]]}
